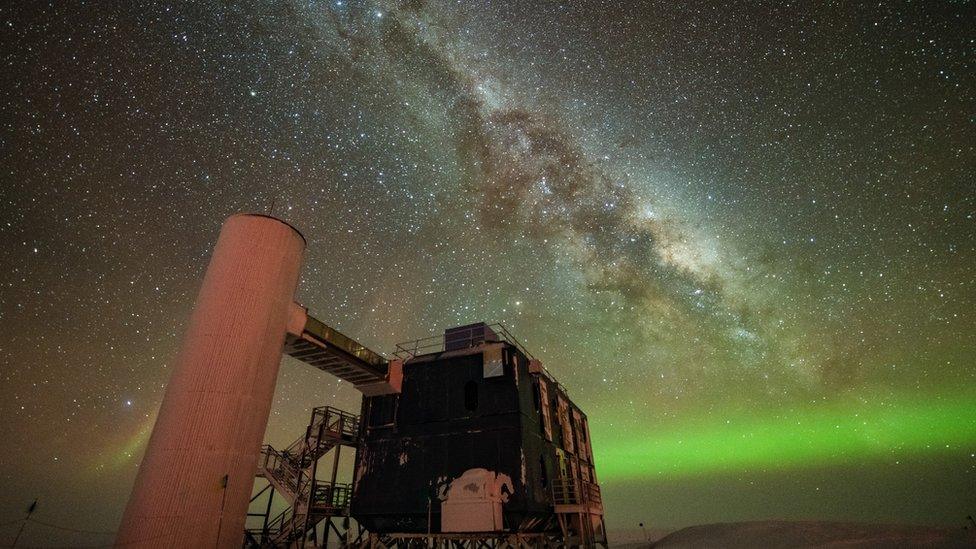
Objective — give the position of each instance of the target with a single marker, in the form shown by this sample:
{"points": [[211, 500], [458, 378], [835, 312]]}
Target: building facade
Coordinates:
{"points": [[481, 440]]}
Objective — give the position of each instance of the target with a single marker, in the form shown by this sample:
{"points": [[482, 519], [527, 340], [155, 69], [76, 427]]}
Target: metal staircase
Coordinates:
{"points": [[291, 473], [578, 505]]}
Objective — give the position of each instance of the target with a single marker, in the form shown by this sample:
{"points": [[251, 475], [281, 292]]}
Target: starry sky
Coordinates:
{"points": [[743, 237]]}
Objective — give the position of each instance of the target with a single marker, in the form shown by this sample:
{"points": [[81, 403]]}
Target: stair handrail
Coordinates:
{"points": [[291, 469]]}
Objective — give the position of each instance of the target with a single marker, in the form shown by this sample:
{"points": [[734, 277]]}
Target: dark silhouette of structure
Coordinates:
{"points": [[480, 442], [466, 439]]}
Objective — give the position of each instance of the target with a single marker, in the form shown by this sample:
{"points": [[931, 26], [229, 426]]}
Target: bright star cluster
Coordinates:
{"points": [[743, 237]]}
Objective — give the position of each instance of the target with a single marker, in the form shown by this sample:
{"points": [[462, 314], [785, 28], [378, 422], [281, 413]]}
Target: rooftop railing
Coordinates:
{"points": [[470, 336]]}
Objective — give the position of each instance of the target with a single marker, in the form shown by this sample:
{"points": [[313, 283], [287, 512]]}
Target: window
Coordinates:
{"points": [[567, 430], [382, 410], [543, 475], [577, 423], [471, 396], [544, 404]]}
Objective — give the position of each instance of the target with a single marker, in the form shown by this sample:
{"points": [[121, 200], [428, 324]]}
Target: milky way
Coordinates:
{"points": [[743, 238]]}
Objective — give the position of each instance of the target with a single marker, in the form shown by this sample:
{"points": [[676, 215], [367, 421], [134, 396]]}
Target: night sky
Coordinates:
{"points": [[743, 238]]}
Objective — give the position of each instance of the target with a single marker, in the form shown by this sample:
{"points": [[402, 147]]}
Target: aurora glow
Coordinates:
{"points": [[828, 433]]}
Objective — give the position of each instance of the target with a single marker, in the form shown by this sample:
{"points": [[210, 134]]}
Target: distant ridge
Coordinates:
{"points": [[804, 534]]}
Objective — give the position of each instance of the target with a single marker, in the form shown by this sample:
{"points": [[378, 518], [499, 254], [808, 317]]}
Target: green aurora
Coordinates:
{"points": [[822, 433]]}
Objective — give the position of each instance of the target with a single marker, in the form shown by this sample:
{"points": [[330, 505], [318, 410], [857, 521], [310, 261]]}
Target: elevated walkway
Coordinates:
{"points": [[321, 346]]}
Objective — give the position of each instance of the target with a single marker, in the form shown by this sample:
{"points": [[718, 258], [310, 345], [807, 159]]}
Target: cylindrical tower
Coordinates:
{"points": [[194, 483]]}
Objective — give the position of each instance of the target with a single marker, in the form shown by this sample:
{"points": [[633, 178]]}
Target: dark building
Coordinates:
{"points": [[481, 439]]}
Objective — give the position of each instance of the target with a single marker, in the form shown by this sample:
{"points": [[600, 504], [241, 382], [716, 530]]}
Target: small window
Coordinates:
{"points": [[471, 396], [543, 475], [545, 403], [382, 410]]}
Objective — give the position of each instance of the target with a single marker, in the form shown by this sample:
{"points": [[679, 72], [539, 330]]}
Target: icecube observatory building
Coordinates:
{"points": [[481, 439], [463, 440]]}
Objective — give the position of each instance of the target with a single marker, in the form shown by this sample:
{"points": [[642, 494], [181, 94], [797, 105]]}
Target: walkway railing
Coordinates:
{"points": [[567, 491]]}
